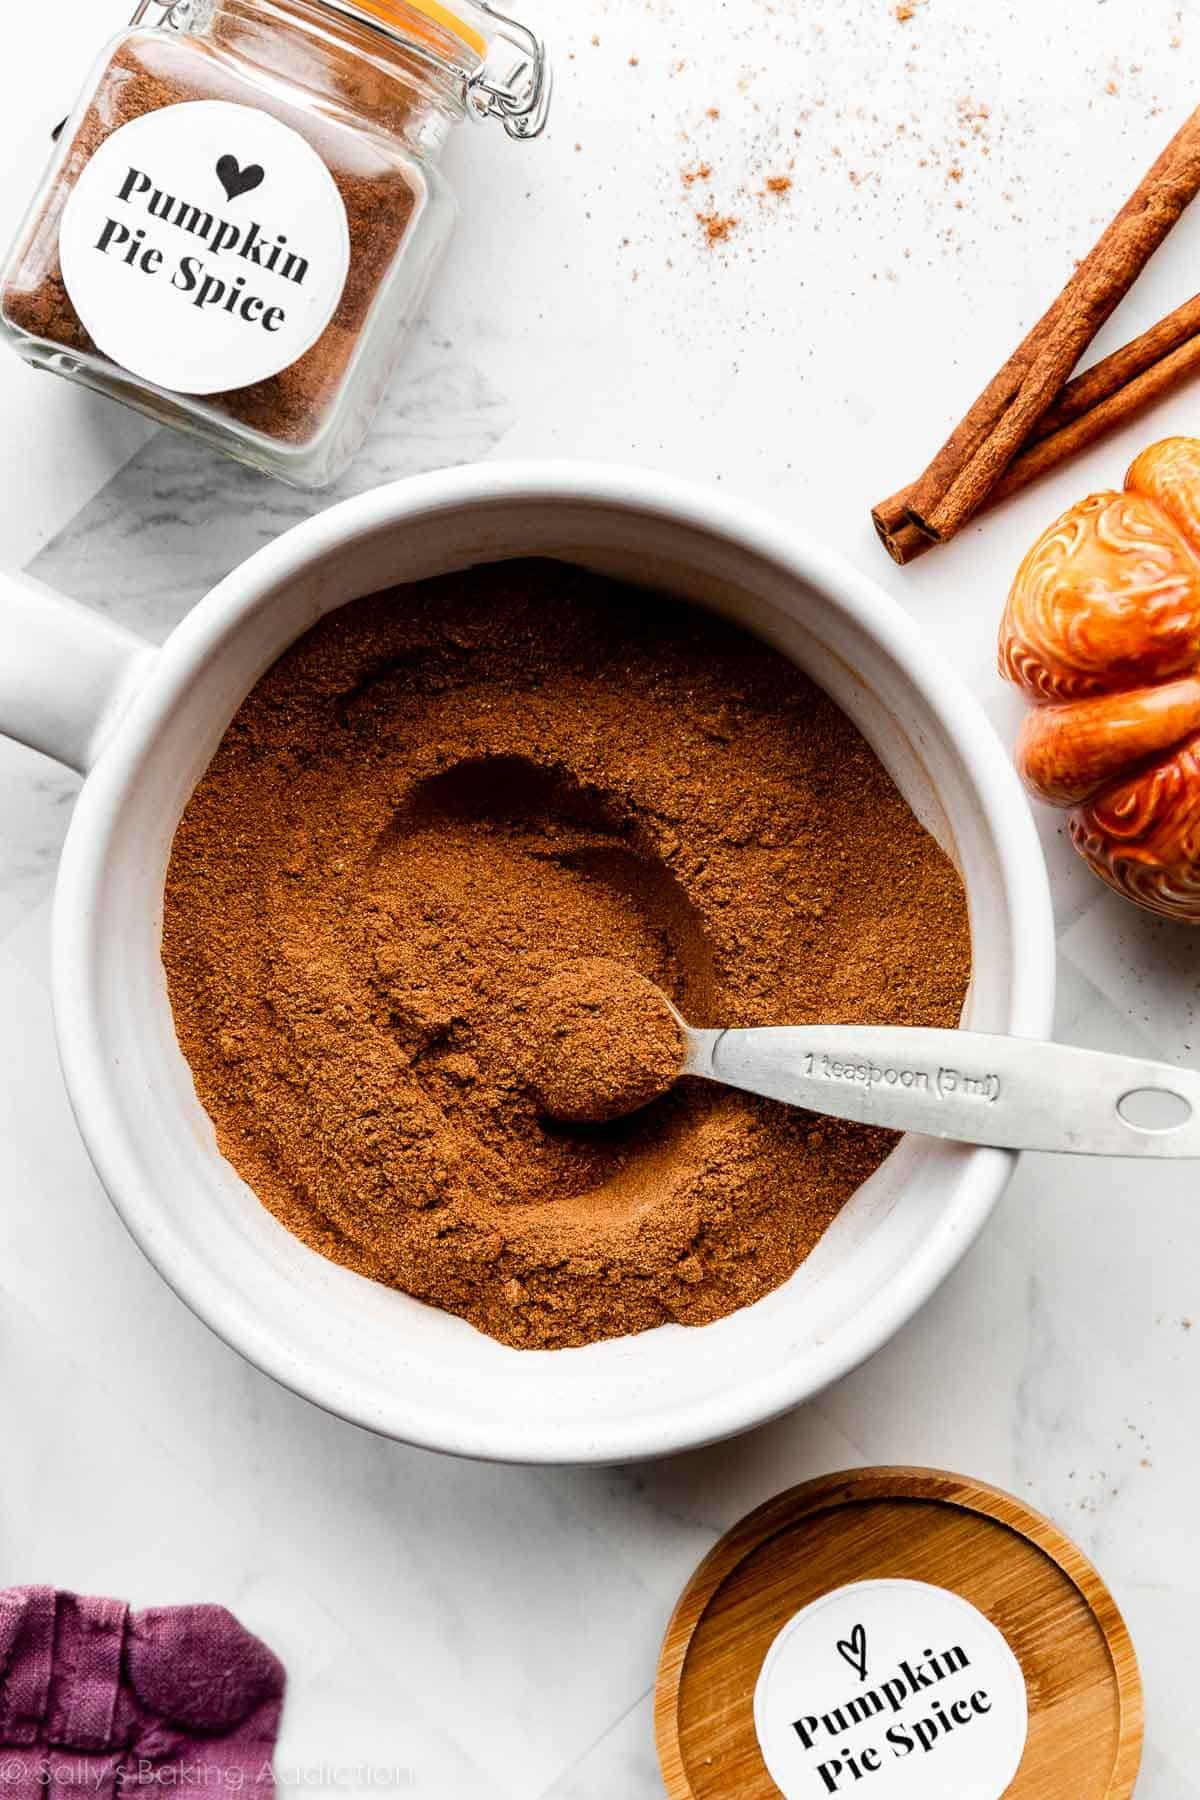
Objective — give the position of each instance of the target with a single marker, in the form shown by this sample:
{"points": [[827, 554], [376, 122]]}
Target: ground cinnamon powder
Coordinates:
{"points": [[431, 810], [154, 69]]}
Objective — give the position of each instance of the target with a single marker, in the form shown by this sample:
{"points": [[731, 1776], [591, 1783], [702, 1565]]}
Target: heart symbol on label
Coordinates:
{"points": [[854, 1651], [236, 180]]}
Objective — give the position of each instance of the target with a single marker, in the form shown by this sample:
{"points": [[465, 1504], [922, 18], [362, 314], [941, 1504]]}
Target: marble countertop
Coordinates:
{"points": [[460, 1631]]}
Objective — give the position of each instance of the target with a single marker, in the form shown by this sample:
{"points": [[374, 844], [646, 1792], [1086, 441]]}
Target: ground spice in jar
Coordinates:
{"points": [[443, 823], [152, 70]]}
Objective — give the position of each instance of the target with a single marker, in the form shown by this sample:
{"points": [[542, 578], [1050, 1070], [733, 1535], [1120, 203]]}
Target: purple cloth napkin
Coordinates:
{"points": [[113, 1704]]}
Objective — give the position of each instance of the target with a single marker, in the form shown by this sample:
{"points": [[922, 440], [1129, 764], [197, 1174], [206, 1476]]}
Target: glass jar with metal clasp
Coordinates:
{"points": [[244, 208]]}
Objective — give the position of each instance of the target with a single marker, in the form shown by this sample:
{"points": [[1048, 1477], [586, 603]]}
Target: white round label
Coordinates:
{"points": [[891, 1690], [205, 246]]}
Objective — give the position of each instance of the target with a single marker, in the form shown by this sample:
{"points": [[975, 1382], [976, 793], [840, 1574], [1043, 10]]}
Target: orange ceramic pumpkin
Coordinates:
{"points": [[1102, 631]]}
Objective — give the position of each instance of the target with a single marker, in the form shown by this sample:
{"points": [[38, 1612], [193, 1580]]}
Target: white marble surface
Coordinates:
{"points": [[462, 1631]]}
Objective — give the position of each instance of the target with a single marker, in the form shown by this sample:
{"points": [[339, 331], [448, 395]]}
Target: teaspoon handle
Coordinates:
{"points": [[1012, 1093]]}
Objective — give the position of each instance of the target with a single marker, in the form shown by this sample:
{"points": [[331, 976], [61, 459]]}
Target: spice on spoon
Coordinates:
{"points": [[607, 1042]]}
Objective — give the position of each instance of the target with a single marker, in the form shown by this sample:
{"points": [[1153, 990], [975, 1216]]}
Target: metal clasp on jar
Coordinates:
{"points": [[518, 93], [514, 84]]}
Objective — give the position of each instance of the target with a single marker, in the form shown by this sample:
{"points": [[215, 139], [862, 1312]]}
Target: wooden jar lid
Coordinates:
{"points": [[887, 1526]]}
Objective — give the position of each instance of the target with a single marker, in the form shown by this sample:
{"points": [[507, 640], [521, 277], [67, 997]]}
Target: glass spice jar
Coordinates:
{"points": [[245, 207]]}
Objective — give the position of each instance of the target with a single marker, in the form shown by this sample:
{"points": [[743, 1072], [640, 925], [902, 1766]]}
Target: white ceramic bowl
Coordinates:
{"points": [[145, 723]]}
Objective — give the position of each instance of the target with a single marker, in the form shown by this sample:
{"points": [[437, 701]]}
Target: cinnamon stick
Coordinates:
{"points": [[1008, 412], [902, 540], [1099, 401], [973, 430], [902, 537], [1114, 410], [1122, 367]]}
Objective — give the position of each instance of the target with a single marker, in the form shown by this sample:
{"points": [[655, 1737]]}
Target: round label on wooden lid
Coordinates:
{"points": [[898, 1634], [894, 1679]]}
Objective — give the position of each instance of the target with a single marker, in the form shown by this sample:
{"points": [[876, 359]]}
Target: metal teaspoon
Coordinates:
{"points": [[1008, 1092]]}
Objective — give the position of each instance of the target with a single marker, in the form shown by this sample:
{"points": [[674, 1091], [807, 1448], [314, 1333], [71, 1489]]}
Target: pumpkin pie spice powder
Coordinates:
{"points": [[437, 802]]}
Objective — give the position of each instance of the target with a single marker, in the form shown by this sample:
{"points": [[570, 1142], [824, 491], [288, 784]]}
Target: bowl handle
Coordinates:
{"points": [[66, 672]]}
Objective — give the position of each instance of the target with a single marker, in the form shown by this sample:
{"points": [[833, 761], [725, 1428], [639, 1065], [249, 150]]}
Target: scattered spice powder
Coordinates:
{"points": [[779, 184], [717, 227], [422, 819]]}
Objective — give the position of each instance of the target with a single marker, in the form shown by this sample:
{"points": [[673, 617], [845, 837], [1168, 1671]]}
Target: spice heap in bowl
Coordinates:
{"points": [[413, 913]]}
